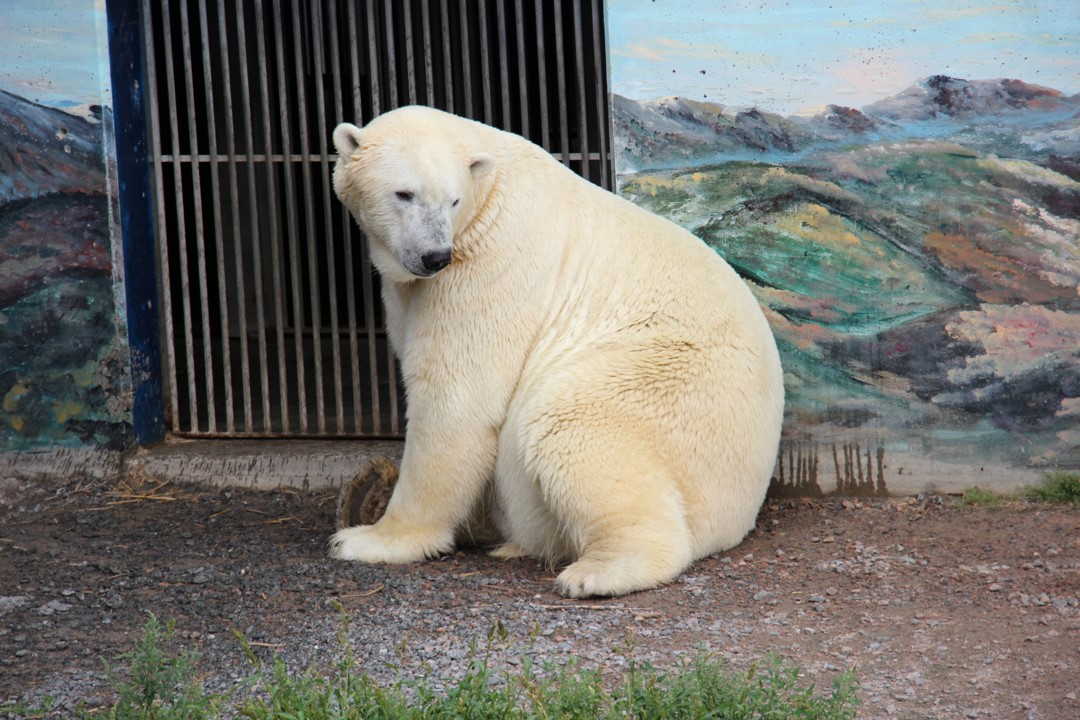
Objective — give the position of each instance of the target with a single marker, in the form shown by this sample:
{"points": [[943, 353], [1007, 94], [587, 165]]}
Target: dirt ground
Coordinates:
{"points": [[944, 611]]}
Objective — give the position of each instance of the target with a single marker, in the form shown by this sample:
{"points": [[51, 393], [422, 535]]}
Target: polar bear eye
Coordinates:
{"points": [[404, 195], [456, 202]]}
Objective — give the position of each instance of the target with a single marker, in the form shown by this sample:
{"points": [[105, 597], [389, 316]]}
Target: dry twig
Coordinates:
{"points": [[368, 593]]}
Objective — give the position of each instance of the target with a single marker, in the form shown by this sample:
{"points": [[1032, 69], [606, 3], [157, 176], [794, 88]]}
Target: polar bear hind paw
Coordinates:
{"points": [[508, 551], [589, 577]]}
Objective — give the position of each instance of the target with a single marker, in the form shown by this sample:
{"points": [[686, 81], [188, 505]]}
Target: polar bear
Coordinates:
{"points": [[594, 377]]}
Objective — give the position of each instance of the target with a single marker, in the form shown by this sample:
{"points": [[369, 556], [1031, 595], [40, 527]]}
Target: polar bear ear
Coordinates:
{"points": [[481, 164], [347, 139]]}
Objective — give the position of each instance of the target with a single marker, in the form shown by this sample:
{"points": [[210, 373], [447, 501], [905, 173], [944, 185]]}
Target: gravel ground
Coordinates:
{"points": [[944, 611]]}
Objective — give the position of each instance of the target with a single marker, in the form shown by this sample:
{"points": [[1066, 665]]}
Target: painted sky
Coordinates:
{"points": [[49, 51], [798, 56]]}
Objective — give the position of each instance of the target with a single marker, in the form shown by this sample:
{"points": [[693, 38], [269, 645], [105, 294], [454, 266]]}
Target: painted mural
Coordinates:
{"points": [[64, 375], [900, 184]]}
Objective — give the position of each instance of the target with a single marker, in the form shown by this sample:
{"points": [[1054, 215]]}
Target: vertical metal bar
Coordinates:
{"points": [[293, 209], [523, 77], [291, 228], [367, 287], [253, 225], [167, 309], [410, 61], [429, 70], [354, 61], [347, 230], [200, 244], [466, 69], [391, 53], [395, 402], [234, 182], [374, 71], [276, 270], [485, 60], [391, 68], [215, 204], [541, 66], [603, 102], [448, 62], [560, 72], [309, 206], [583, 116], [327, 210], [181, 226], [504, 66]]}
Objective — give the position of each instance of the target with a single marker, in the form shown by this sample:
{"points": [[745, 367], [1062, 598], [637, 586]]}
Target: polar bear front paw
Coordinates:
{"points": [[371, 544]]}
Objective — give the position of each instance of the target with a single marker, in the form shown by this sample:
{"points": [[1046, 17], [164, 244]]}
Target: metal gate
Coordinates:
{"points": [[271, 313]]}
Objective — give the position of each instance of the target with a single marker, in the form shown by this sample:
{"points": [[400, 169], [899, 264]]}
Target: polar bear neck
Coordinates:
{"points": [[471, 241], [520, 167]]}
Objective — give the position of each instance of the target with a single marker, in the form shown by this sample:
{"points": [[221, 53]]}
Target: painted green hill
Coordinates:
{"points": [[913, 286]]}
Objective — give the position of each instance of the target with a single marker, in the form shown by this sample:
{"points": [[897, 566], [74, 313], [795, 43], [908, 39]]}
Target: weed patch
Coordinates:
{"points": [[160, 682], [1058, 487], [985, 498]]}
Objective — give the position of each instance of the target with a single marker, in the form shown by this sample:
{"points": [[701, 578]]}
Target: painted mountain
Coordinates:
{"points": [[58, 326], [1030, 121], [919, 259]]}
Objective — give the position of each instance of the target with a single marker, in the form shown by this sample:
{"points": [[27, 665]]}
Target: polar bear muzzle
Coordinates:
{"points": [[436, 260]]}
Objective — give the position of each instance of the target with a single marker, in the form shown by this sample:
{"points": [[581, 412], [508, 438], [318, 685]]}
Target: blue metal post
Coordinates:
{"points": [[136, 219]]}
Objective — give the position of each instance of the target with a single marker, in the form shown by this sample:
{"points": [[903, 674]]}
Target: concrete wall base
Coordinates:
{"points": [[258, 464]]}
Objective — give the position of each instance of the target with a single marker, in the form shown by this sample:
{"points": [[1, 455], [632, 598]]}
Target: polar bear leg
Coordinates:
{"points": [[621, 507], [523, 514], [444, 470], [624, 558]]}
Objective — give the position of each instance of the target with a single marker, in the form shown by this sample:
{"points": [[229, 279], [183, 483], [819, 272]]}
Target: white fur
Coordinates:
{"points": [[598, 371]]}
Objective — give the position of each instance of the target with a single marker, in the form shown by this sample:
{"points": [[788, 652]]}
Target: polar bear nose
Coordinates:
{"points": [[436, 260]]}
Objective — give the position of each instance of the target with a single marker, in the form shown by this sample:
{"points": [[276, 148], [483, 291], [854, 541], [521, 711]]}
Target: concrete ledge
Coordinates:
{"points": [[258, 464], [48, 463], [328, 464]]}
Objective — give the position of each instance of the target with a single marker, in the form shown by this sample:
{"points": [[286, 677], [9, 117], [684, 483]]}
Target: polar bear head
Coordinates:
{"points": [[413, 179]]}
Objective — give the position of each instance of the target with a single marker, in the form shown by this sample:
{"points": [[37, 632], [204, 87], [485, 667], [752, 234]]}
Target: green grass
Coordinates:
{"points": [[160, 682], [985, 498], [1058, 487]]}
